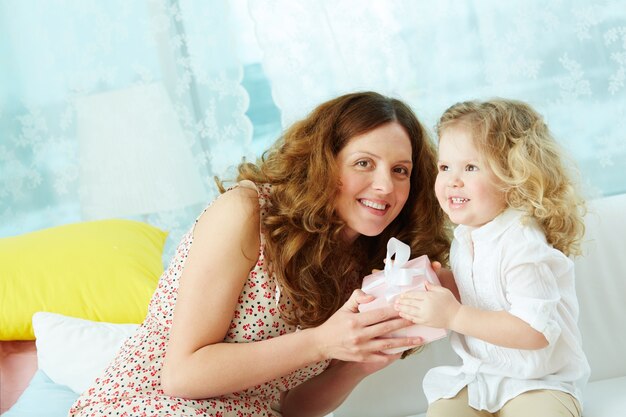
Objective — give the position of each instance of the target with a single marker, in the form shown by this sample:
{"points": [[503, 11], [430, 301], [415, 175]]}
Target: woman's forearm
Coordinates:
{"points": [[223, 368], [321, 395]]}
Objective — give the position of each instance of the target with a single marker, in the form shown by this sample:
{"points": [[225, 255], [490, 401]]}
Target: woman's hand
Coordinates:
{"points": [[357, 337], [353, 341], [325, 392], [446, 278], [363, 369]]}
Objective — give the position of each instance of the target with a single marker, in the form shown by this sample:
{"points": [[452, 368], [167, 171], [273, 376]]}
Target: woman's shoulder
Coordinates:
{"points": [[243, 197], [233, 213]]}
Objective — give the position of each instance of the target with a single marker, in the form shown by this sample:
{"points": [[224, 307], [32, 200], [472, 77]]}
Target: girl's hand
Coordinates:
{"points": [[352, 336], [435, 307]]}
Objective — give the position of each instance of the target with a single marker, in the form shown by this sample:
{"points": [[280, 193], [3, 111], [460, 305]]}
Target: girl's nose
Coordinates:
{"points": [[455, 181]]}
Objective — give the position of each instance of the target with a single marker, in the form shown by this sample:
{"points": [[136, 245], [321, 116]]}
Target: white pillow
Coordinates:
{"points": [[72, 351]]}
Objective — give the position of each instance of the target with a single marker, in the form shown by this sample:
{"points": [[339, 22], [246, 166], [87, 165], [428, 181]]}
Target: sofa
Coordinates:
{"points": [[601, 287], [79, 289], [107, 271]]}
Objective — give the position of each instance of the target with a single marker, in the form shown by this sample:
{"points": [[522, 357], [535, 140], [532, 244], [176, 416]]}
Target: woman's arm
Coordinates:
{"points": [[324, 393], [198, 364], [321, 395], [446, 278]]}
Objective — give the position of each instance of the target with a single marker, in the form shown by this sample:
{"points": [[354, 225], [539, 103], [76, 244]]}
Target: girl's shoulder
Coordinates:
{"points": [[527, 243]]}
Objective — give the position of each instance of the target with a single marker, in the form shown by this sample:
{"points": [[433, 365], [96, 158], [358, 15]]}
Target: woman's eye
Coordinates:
{"points": [[402, 170], [363, 163]]}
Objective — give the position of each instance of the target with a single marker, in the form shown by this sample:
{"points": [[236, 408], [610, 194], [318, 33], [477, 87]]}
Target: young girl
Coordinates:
{"points": [[502, 180]]}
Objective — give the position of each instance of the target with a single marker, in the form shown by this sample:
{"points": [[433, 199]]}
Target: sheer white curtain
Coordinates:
{"points": [[313, 51], [117, 108], [233, 72], [567, 58]]}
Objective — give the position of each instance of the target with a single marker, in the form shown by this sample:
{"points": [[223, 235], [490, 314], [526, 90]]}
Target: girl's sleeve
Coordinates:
{"points": [[532, 287]]}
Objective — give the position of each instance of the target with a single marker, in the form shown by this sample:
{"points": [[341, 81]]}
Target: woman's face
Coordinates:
{"points": [[375, 179]]}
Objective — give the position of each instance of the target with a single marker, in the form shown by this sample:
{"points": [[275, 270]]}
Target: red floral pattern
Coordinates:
{"points": [[131, 384]]}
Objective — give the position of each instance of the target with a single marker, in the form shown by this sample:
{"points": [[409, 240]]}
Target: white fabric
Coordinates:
{"points": [[600, 287], [72, 351], [507, 265], [606, 398], [395, 274], [112, 129], [564, 57], [601, 283]]}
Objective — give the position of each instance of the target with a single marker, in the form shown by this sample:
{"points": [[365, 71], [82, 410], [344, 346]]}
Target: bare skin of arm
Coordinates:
{"points": [[324, 393], [438, 307], [200, 365]]}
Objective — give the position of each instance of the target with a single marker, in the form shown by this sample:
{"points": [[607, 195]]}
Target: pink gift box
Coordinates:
{"points": [[377, 285]]}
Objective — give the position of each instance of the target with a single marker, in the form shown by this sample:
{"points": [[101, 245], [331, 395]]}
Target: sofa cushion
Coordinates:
{"points": [[103, 270], [605, 398], [43, 397], [600, 287], [73, 351]]}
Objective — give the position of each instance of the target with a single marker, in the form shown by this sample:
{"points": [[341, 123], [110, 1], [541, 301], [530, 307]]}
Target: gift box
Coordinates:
{"points": [[401, 275]]}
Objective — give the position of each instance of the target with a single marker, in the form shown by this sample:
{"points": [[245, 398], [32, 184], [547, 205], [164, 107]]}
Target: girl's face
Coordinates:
{"points": [[467, 189], [375, 179]]}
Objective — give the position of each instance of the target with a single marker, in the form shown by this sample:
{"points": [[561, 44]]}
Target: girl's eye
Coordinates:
{"points": [[443, 167], [471, 168]]}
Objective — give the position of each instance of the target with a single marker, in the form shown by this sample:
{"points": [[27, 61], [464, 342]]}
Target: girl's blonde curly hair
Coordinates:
{"points": [[316, 270], [525, 157]]}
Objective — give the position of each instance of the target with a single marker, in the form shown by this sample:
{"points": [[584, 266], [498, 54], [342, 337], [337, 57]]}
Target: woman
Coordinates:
{"points": [[257, 313]]}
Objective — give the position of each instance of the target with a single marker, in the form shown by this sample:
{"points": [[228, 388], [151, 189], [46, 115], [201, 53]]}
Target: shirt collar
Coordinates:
{"points": [[491, 230]]}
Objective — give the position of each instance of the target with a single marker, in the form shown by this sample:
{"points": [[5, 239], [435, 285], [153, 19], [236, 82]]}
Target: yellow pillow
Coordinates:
{"points": [[102, 270]]}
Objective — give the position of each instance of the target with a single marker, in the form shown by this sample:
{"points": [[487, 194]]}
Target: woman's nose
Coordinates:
{"points": [[382, 181]]}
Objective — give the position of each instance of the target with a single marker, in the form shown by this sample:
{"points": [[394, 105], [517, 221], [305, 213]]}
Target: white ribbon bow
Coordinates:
{"points": [[394, 274]]}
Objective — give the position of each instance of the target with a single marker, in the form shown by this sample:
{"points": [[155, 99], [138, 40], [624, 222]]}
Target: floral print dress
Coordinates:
{"points": [[131, 384]]}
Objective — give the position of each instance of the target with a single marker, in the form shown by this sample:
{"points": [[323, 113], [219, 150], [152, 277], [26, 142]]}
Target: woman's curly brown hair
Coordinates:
{"points": [[315, 269], [521, 151]]}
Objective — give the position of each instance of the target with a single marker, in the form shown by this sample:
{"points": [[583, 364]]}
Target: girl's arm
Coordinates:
{"points": [[198, 364], [438, 307]]}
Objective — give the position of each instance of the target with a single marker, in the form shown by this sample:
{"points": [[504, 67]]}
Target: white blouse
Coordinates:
{"points": [[508, 265]]}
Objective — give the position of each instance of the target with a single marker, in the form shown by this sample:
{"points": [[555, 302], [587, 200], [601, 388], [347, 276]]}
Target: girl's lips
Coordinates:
{"points": [[459, 200]]}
